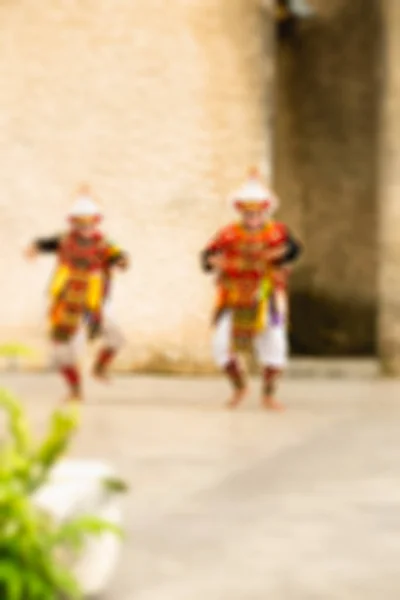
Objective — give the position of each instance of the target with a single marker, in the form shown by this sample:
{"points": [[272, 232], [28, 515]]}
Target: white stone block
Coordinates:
{"points": [[76, 488]]}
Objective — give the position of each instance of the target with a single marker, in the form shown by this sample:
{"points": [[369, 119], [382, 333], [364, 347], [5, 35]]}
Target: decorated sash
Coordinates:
{"points": [[78, 286], [250, 319], [247, 286]]}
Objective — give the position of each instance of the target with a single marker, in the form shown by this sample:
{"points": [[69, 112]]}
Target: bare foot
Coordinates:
{"points": [[75, 395], [101, 375], [74, 399], [237, 398], [270, 403]]}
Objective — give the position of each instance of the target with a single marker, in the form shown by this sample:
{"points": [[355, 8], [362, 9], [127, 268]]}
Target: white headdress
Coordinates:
{"points": [[84, 205], [254, 193]]}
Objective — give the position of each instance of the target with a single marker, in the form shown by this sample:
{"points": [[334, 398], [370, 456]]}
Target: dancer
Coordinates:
{"points": [[251, 258], [80, 291]]}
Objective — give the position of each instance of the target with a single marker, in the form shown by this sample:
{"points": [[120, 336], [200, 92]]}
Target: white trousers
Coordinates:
{"points": [[64, 354], [271, 345]]}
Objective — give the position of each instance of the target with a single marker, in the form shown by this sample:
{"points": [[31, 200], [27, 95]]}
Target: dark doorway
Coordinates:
{"points": [[326, 164]]}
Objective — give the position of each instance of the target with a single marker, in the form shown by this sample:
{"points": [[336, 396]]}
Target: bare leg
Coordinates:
{"points": [[72, 376], [66, 360], [270, 378], [104, 358], [237, 379], [113, 341]]}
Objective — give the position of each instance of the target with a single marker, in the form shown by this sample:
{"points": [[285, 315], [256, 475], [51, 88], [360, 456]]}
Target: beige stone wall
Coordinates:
{"points": [[161, 106], [326, 172]]}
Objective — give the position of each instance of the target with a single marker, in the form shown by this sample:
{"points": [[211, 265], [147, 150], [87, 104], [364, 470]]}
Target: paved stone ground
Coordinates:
{"points": [[248, 505]]}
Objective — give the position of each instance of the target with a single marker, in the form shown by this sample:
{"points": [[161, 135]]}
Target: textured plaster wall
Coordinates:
{"points": [[160, 105]]}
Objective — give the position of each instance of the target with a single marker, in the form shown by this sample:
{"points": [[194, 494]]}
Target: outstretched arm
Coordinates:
{"points": [[43, 245], [50, 244], [117, 257], [121, 261], [209, 259], [292, 251], [212, 258]]}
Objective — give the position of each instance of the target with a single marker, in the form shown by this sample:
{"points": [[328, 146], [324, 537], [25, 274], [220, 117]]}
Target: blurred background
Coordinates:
{"points": [[162, 107]]}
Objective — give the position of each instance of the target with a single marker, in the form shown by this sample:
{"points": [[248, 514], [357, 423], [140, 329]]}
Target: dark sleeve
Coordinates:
{"points": [[293, 252], [204, 259], [51, 244], [117, 257], [215, 246]]}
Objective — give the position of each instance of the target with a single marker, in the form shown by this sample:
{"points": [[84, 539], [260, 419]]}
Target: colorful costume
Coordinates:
{"points": [[251, 307], [79, 292]]}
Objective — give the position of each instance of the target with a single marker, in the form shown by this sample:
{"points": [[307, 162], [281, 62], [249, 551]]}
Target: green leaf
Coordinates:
{"points": [[114, 484], [37, 588], [33, 546], [74, 532], [11, 580], [65, 583], [17, 422], [63, 425], [12, 350]]}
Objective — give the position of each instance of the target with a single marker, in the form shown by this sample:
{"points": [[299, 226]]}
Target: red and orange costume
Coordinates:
{"points": [[251, 305], [79, 291], [80, 284], [249, 280]]}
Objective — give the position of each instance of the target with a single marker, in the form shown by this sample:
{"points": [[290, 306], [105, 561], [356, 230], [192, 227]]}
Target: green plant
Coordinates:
{"points": [[31, 542], [14, 350]]}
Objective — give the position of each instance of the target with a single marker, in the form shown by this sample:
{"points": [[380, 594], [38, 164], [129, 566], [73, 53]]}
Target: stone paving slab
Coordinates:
{"points": [[248, 505], [298, 368]]}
